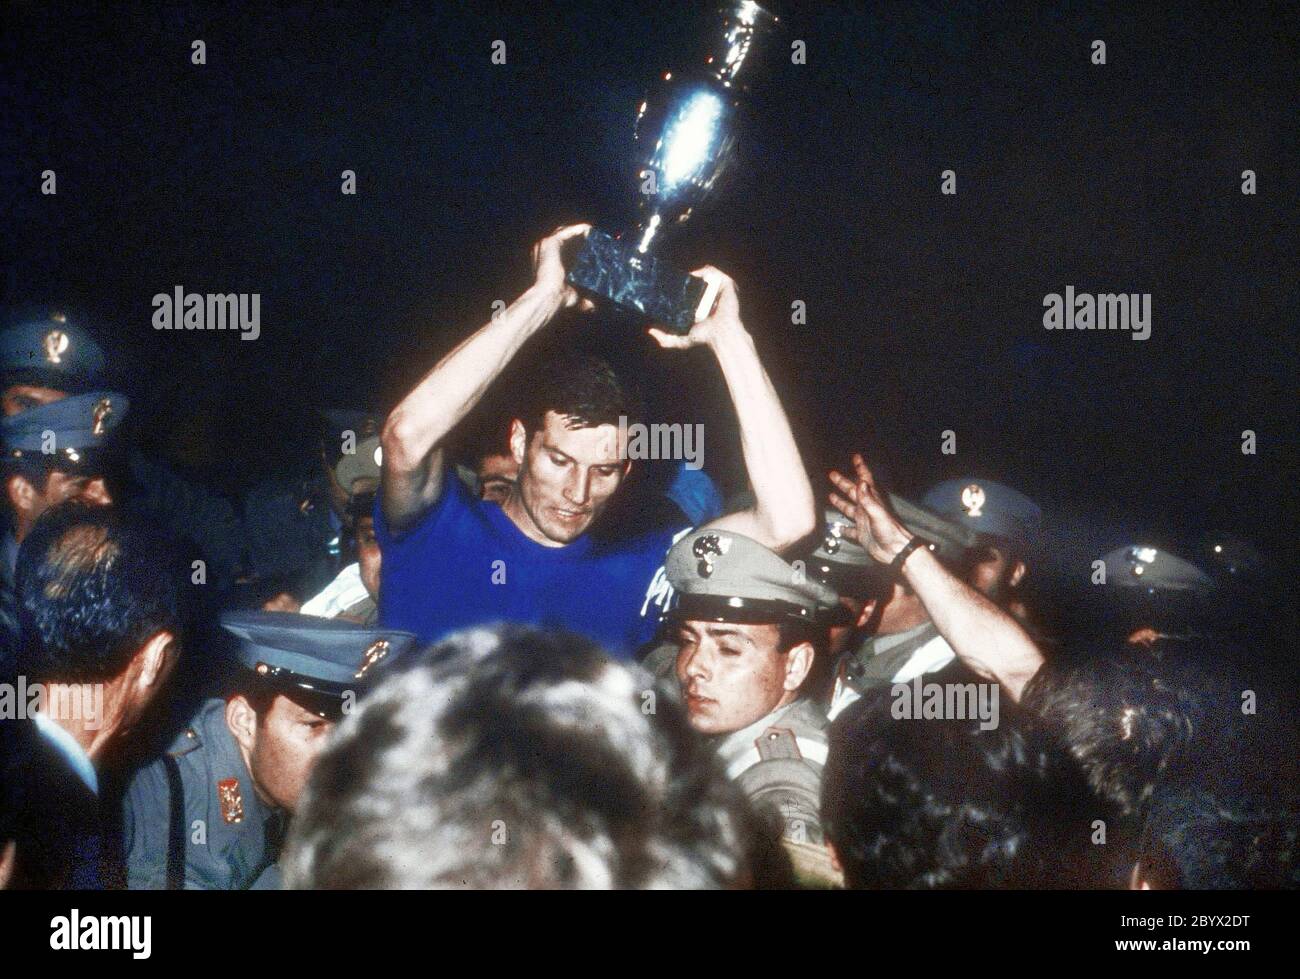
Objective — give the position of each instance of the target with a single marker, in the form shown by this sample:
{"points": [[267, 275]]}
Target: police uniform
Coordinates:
{"points": [[293, 530], [51, 351], [992, 510], [74, 435], [1001, 517], [1148, 587], [878, 659], [719, 576], [346, 595], [193, 818]]}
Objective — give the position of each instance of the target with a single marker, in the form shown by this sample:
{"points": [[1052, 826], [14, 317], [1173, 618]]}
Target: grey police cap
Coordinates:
{"points": [[721, 576], [988, 508], [52, 349], [362, 466], [315, 655], [951, 539], [68, 431], [838, 561], [1151, 570]]}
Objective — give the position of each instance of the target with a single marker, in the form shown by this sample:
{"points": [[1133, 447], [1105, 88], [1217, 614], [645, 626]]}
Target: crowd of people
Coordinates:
{"points": [[440, 668]]}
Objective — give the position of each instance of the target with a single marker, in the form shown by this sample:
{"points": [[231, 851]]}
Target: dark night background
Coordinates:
{"points": [[924, 310]]}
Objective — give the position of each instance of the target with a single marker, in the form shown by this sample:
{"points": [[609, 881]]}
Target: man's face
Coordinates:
{"points": [[287, 741], [566, 477], [496, 476], [30, 500], [994, 573], [20, 397], [368, 556], [731, 674]]}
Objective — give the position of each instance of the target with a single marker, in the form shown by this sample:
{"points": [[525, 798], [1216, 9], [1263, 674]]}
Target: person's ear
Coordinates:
{"points": [[241, 719], [798, 664], [518, 441], [1017, 574], [155, 658], [835, 857]]}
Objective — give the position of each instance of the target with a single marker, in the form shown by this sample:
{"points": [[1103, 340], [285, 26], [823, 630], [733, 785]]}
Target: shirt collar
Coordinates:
{"points": [[66, 745]]}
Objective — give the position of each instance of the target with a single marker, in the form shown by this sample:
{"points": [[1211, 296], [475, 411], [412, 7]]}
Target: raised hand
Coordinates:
{"points": [[725, 316], [548, 266], [875, 528]]}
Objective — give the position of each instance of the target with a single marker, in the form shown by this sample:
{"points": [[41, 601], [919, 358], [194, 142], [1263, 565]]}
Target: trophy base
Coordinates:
{"points": [[640, 284]]}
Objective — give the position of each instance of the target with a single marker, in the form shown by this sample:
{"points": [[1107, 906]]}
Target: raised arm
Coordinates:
{"points": [[416, 429], [983, 636], [783, 512]]}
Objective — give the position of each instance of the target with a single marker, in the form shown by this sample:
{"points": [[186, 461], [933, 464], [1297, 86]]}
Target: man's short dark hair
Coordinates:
{"points": [[582, 389], [942, 804], [515, 758], [92, 586], [1122, 714]]}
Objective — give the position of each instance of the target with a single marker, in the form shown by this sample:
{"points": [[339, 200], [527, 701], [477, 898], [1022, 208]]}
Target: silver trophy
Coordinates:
{"points": [[685, 139]]}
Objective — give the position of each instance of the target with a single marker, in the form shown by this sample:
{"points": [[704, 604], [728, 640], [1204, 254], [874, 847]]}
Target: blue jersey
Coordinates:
{"points": [[465, 564]]}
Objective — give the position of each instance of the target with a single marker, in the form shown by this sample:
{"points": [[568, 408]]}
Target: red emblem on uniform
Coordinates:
{"points": [[232, 802]]}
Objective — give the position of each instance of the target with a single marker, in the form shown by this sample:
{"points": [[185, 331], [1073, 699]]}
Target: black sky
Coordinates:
{"points": [[924, 310]]}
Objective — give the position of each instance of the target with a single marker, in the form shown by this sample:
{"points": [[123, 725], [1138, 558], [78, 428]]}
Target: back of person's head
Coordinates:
{"points": [[583, 389], [1124, 714], [514, 758], [944, 804], [93, 585], [1212, 827]]}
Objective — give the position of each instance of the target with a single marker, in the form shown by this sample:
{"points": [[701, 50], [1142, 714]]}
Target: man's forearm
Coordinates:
{"points": [[983, 636], [784, 511], [423, 419]]}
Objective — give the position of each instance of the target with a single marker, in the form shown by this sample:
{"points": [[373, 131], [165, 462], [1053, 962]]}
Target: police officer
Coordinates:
{"points": [[354, 592], [56, 451], [749, 628], [210, 814], [894, 638], [297, 528], [45, 357], [1151, 594], [1008, 524]]}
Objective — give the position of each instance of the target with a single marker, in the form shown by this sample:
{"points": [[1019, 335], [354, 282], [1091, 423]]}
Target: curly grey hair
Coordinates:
{"points": [[515, 758]]}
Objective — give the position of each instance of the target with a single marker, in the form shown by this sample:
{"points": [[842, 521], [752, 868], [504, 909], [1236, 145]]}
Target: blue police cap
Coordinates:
{"points": [[988, 508], [313, 654], [51, 349], [68, 431]]}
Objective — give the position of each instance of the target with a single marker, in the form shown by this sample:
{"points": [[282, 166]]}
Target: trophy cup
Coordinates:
{"points": [[685, 138]]}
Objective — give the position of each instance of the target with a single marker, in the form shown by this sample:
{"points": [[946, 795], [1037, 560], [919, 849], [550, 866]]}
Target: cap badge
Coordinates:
{"points": [[708, 546], [56, 345], [972, 500], [232, 802], [834, 534], [103, 408], [376, 651]]}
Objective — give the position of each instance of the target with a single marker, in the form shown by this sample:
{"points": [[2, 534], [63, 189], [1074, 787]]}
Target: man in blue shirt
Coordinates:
{"points": [[451, 561]]}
